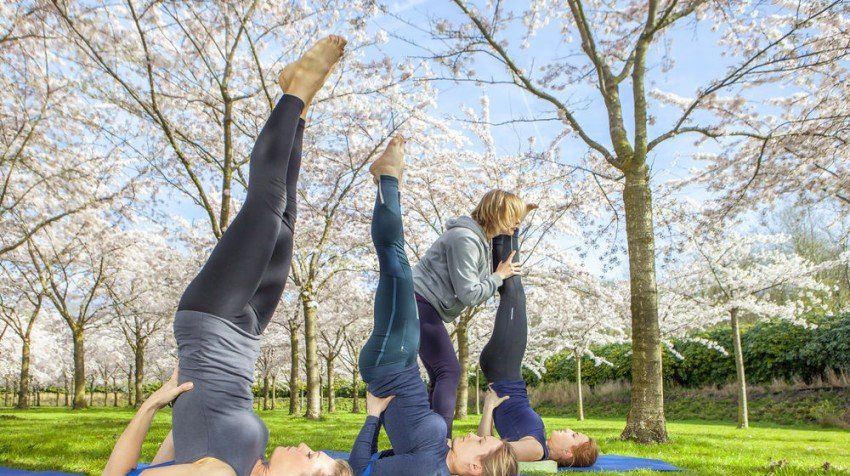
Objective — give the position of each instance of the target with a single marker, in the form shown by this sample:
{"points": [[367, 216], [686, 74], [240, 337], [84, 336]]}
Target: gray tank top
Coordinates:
{"points": [[216, 418]]}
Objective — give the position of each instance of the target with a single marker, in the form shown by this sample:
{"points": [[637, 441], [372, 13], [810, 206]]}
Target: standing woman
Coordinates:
{"points": [[456, 273], [397, 398], [225, 309]]}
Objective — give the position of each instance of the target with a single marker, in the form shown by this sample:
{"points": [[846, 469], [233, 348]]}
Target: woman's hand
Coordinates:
{"points": [[492, 399], [375, 406], [168, 392], [508, 268]]}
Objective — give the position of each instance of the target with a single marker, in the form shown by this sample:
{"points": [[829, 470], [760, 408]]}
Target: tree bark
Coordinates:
{"points": [[477, 391], [355, 394], [645, 422], [130, 387], [265, 392], [331, 392], [140, 369], [6, 392], [274, 391], [79, 370], [314, 389], [24, 379], [114, 392], [578, 384], [56, 404], [91, 392], [462, 401], [294, 368], [743, 413], [67, 390]]}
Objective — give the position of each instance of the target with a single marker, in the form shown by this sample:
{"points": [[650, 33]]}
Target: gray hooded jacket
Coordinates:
{"points": [[456, 271]]}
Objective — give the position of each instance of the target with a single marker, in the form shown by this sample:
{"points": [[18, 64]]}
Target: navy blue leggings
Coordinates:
{"points": [[438, 356], [244, 277], [394, 342]]}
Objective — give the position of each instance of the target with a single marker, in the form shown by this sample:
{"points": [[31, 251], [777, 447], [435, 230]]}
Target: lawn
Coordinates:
{"points": [[51, 438]]}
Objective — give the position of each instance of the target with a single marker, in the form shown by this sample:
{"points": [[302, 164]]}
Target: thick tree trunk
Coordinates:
{"points": [[462, 401], [578, 384], [743, 413], [645, 422], [24, 379], [314, 389], [139, 365], [294, 368], [79, 370], [331, 392]]}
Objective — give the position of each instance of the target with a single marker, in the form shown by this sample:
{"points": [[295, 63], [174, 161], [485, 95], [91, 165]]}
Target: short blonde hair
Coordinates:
{"points": [[499, 210], [341, 468], [583, 455], [500, 462]]}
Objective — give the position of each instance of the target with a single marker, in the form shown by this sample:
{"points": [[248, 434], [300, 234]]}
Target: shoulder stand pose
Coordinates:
{"points": [[506, 403], [396, 396], [456, 273], [228, 305]]}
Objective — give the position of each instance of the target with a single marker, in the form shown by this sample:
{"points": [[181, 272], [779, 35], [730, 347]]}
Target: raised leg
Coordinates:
{"points": [[501, 358]]}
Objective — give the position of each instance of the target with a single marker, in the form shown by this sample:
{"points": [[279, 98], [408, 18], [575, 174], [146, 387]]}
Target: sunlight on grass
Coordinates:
{"points": [[59, 439]]}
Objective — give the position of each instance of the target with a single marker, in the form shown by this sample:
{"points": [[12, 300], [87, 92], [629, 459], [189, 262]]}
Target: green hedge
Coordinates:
{"points": [[773, 350]]}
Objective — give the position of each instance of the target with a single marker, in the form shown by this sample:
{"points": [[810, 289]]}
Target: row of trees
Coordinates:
{"points": [[126, 130]]}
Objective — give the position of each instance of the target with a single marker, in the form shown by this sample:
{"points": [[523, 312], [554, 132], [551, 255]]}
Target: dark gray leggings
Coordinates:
{"points": [[501, 358], [244, 277]]}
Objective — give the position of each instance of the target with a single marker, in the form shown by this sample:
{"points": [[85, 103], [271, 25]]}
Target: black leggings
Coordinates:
{"points": [[243, 279], [502, 357]]}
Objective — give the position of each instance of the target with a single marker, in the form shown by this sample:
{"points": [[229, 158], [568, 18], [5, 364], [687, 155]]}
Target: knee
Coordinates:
{"points": [[449, 371]]}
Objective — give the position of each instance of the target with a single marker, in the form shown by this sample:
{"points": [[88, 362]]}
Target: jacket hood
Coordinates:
{"points": [[467, 222]]}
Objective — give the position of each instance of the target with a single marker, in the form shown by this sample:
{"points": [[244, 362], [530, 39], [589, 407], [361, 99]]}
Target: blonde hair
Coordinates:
{"points": [[341, 468], [499, 210], [583, 455], [500, 462]]}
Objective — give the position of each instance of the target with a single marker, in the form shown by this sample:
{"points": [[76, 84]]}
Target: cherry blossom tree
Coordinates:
{"points": [[754, 274], [613, 59], [570, 310]]}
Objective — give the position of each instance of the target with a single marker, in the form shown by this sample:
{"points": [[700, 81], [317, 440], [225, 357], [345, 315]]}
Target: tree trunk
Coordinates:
{"points": [[314, 389], [743, 413], [91, 392], [477, 391], [67, 391], [265, 392], [355, 394], [37, 396], [294, 368], [140, 371], [79, 370], [24, 380], [57, 398], [6, 392], [274, 391], [578, 383], [115, 392], [462, 401], [645, 422], [331, 392], [130, 387]]}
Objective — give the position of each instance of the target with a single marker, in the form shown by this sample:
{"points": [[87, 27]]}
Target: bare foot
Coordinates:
{"points": [[303, 78], [391, 162]]}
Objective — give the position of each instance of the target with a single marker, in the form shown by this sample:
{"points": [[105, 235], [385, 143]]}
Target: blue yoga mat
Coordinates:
{"points": [[603, 463]]}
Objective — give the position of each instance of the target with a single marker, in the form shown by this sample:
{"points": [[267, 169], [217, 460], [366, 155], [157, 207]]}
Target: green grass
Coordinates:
{"points": [[56, 438]]}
